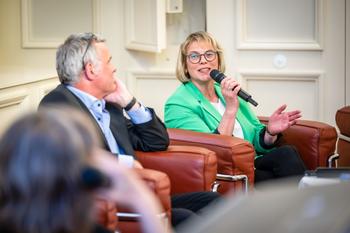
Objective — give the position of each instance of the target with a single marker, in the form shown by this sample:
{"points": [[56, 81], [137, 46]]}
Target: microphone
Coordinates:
{"points": [[218, 77]]}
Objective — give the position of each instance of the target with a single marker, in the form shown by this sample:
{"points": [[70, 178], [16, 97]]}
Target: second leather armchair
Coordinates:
{"points": [[235, 156]]}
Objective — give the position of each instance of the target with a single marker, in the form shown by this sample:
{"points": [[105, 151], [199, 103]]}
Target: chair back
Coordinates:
{"points": [[314, 140], [342, 119]]}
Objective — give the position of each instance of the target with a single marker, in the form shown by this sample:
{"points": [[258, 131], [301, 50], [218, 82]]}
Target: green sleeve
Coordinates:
{"points": [[254, 128]]}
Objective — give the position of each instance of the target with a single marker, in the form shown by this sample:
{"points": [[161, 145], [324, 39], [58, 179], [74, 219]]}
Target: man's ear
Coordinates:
{"points": [[90, 71]]}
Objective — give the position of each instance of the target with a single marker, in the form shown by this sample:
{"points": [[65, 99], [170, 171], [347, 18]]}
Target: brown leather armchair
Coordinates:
{"points": [[314, 140], [342, 118], [235, 156], [159, 183], [112, 218], [189, 169], [106, 214]]}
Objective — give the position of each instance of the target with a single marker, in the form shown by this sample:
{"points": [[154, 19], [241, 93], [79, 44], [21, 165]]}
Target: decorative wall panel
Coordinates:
{"points": [[303, 91], [280, 24], [153, 88], [46, 23]]}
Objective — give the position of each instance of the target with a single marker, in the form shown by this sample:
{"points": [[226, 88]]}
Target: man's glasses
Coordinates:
{"points": [[195, 58], [90, 37]]}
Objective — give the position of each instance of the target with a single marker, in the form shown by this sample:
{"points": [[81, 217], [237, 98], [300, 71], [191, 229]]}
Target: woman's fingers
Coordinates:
{"points": [[294, 115], [280, 109], [230, 85]]}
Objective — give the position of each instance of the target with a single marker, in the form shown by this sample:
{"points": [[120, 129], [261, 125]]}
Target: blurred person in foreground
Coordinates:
{"points": [[202, 105], [86, 72], [314, 209], [43, 157]]}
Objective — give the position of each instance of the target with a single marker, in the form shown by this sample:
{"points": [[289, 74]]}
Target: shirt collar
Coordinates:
{"points": [[90, 101]]}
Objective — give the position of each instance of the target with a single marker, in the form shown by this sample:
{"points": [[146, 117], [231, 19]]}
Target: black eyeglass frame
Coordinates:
{"points": [[89, 40], [188, 56]]}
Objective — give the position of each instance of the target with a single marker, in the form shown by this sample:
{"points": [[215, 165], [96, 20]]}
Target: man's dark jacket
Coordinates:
{"points": [[149, 136]]}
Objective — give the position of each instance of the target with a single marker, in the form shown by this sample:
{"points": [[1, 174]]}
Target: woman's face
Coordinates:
{"points": [[201, 59]]}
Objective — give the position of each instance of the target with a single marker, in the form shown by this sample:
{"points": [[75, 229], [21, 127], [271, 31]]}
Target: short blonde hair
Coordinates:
{"points": [[181, 67]]}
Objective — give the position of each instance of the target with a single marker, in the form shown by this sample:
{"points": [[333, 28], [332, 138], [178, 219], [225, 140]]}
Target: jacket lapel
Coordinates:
{"points": [[204, 102], [119, 130], [208, 107], [74, 100]]}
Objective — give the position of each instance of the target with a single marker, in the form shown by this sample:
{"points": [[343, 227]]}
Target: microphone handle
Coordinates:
{"points": [[218, 77], [244, 95]]}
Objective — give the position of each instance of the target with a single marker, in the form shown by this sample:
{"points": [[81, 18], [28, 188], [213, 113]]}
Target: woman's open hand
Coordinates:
{"points": [[280, 120]]}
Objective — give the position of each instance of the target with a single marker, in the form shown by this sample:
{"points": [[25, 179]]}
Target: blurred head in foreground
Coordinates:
{"points": [[41, 158]]}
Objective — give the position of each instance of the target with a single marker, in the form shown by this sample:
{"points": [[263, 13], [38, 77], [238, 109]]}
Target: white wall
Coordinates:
{"points": [[313, 77], [150, 76]]}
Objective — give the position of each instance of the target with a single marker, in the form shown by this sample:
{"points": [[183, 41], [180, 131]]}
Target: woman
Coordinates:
{"points": [[51, 172], [202, 105]]}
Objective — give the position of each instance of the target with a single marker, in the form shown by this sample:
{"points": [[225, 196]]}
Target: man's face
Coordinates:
{"points": [[105, 77]]}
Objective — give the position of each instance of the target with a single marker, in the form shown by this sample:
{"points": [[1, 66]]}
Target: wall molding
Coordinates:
{"points": [[11, 99], [30, 41], [245, 43], [311, 76], [28, 95]]}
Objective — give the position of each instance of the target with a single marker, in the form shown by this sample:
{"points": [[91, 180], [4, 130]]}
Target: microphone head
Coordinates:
{"points": [[216, 75]]}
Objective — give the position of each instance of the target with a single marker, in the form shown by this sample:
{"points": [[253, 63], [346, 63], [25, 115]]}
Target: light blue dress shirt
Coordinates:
{"points": [[103, 118]]}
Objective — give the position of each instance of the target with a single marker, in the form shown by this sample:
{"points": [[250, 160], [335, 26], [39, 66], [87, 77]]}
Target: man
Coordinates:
{"points": [[86, 74]]}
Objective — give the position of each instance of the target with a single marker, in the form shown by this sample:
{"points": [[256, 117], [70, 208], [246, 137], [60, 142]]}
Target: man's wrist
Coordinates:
{"points": [[130, 104]]}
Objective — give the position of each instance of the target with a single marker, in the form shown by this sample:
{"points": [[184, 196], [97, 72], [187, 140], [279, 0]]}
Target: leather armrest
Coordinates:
{"points": [[106, 214], [189, 168], [157, 181], [160, 184], [314, 140], [235, 156]]}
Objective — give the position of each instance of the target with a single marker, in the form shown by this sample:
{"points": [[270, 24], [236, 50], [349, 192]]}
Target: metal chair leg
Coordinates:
{"points": [[232, 178]]}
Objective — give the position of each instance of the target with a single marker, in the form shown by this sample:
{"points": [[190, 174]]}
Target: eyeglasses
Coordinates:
{"points": [[195, 58], [90, 37]]}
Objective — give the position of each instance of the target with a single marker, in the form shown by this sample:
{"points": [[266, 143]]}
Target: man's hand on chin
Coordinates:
{"points": [[120, 95]]}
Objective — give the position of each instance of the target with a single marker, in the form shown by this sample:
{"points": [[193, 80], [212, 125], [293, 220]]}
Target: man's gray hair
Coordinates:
{"points": [[74, 53]]}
